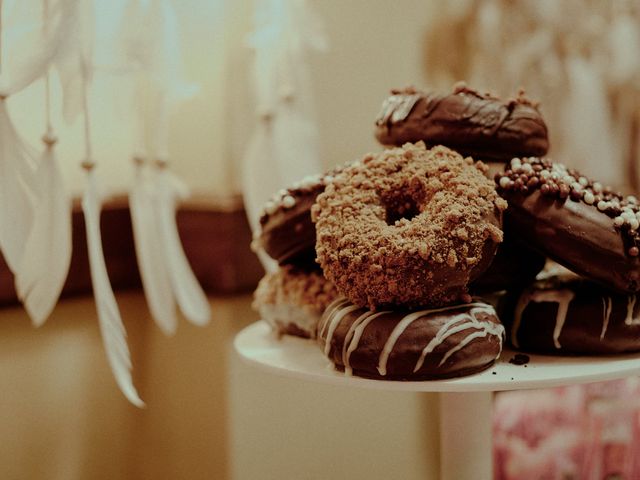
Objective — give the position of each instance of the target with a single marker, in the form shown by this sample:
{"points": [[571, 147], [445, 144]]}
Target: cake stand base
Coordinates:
{"points": [[466, 446], [465, 402]]}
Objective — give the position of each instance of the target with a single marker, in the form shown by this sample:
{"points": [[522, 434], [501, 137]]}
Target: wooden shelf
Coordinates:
{"points": [[214, 232]]}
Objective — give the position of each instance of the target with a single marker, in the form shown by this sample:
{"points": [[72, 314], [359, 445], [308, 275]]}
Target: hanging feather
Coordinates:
{"points": [[109, 319], [284, 146], [47, 252], [111, 327], [78, 34], [168, 189], [17, 191], [154, 273], [164, 268], [29, 52], [191, 298], [45, 264]]}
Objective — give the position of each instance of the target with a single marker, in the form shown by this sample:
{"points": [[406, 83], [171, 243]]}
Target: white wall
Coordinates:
{"points": [[286, 429], [374, 46]]}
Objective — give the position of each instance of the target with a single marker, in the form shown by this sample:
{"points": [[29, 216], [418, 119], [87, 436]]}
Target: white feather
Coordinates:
{"points": [[191, 298], [29, 50], [47, 253], [284, 146], [17, 191], [152, 263], [77, 40], [111, 327]]}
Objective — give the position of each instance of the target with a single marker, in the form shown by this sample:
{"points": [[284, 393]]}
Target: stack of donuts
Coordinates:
{"points": [[293, 297], [386, 260]]}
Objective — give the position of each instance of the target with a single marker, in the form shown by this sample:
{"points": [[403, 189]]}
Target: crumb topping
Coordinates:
{"points": [[526, 175], [291, 285], [406, 226]]}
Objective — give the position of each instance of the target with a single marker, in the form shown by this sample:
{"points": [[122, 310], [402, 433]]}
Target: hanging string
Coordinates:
{"points": [[49, 137], [88, 162], [1, 42]]}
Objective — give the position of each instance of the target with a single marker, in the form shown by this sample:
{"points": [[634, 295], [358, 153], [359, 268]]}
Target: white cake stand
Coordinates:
{"points": [[465, 403]]}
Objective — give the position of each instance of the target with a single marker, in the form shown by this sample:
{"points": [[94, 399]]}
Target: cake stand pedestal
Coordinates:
{"points": [[465, 403]]}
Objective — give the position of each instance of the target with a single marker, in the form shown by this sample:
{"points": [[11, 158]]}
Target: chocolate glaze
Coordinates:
{"points": [[405, 345], [476, 125], [514, 265], [287, 233], [576, 236], [573, 221], [571, 315], [289, 236]]}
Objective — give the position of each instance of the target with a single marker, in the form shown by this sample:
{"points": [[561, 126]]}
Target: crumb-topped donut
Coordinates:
{"points": [[292, 300], [287, 233], [408, 227], [399, 345], [575, 221], [479, 125], [567, 314]]}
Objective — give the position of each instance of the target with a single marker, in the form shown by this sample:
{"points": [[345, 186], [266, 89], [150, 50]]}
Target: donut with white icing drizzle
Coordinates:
{"points": [[567, 314], [424, 344]]}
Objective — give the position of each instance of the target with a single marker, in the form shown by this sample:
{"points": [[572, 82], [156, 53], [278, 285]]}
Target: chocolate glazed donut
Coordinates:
{"points": [[287, 233], [481, 126], [401, 345], [573, 220], [570, 315]]}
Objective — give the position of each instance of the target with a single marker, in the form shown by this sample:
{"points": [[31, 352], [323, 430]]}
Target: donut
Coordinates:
{"points": [[474, 124], [292, 300], [401, 345], [515, 265], [286, 232], [568, 314], [407, 227], [575, 221]]}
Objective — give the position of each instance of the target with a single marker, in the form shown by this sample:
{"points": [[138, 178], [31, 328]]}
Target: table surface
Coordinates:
{"points": [[303, 359]]}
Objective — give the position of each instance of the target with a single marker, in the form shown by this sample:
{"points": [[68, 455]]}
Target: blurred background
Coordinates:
{"points": [[207, 415]]}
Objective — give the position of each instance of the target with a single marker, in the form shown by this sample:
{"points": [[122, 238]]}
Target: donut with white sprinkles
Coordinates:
{"points": [[579, 223]]}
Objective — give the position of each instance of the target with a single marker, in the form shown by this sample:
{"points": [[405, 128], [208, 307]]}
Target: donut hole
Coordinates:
{"points": [[400, 208]]}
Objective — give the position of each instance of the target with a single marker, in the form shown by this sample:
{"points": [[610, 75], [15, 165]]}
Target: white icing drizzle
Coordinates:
{"points": [[468, 339], [631, 303], [355, 332], [393, 338], [412, 317], [397, 107], [339, 309], [606, 313], [561, 297], [331, 308], [469, 320], [336, 318]]}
